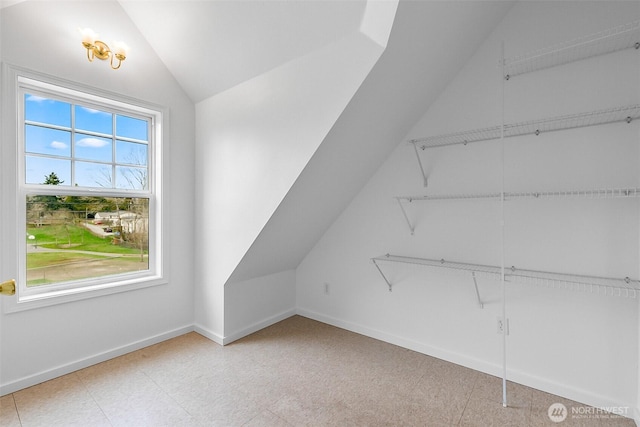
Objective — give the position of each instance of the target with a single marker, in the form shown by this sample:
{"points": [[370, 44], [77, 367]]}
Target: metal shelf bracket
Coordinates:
{"points": [[382, 274], [475, 284], [424, 175], [404, 213], [442, 262]]}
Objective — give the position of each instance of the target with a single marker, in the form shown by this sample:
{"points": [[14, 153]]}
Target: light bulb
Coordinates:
{"points": [[88, 36]]}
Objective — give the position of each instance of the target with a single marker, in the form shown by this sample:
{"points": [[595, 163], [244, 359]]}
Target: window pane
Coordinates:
{"points": [[131, 178], [93, 175], [91, 120], [128, 127], [72, 237], [49, 111], [38, 169], [93, 148], [131, 153], [42, 140], [88, 233]]}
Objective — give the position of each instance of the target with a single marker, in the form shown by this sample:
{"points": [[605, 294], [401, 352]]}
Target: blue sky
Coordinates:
{"points": [[86, 146]]}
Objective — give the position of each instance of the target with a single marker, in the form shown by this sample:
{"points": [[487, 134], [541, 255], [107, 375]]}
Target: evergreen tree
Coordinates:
{"points": [[52, 179], [51, 203]]}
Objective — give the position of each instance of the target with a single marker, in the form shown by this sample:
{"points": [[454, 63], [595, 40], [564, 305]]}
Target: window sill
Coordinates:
{"points": [[45, 299]]}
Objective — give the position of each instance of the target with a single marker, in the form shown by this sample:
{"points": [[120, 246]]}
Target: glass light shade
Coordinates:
{"points": [[88, 35], [120, 48]]}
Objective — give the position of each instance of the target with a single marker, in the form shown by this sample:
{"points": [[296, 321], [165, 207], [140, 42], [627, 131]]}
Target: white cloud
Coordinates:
{"points": [[58, 145], [35, 98], [92, 111], [91, 142]]}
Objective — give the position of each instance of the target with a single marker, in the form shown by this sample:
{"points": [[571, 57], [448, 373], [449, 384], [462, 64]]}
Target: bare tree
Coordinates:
{"points": [[135, 177], [103, 178]]}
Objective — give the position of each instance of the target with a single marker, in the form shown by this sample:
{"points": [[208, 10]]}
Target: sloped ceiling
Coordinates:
{"points": [[430, 42], [211, 46], [7, 3]]}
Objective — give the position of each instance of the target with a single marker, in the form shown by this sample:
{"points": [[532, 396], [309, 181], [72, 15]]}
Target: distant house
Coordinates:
{"points": [[107, 218], [134, 223], [129, 222]]}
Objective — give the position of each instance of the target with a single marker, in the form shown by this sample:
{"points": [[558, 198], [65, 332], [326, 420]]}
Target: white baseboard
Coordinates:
{"points": [[257, 326], [579, 395], [457, 358], [586, 397], [216, 338], [68, 368]]}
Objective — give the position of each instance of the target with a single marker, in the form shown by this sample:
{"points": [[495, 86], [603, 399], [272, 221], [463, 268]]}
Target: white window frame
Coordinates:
{"points": [[19, 81]]}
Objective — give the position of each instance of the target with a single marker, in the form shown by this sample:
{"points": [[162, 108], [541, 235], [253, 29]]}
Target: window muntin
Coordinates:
{"points": [[131, 153], [47, 141], [129, 127], [97, 153], [90, 119], [37, 167], [98, 157], [58, 113]]}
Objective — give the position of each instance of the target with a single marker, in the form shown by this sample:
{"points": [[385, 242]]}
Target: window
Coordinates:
{"points": [[89, 192]]}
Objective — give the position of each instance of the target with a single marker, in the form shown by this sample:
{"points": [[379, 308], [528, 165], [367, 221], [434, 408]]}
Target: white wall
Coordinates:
{"points": [[580, 345], [385, 107], [257, 303], [252, 143], [42, 343]]}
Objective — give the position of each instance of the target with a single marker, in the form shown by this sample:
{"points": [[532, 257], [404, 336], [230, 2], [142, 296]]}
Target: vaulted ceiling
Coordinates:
{"points": [[210, 46]]}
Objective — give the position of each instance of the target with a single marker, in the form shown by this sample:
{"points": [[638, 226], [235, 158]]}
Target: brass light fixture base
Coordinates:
{"points": [[101, 50]]}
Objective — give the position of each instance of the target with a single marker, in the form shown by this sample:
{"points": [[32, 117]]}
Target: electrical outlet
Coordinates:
{"points": [[502, 327], [326, 288]]}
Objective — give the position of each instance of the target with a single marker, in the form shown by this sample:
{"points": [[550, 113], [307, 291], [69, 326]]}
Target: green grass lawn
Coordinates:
{"points": [[54, 267], [59, 236], [46, 259], [67, 264]]}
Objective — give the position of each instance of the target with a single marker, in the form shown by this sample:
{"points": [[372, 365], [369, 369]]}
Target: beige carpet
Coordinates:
{"points": [[298, 372]]}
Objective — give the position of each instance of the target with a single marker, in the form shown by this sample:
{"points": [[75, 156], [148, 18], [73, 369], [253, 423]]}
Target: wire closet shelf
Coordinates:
{"points": [[606, 193], [534, 127], [608, 41], [621, 287]]}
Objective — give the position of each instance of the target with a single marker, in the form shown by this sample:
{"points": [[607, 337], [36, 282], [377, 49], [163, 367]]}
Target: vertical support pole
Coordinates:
{"points": [[424, 175], [502, 234]]}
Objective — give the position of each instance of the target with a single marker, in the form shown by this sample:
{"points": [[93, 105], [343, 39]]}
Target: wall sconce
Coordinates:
{"points": [[99, 49]]}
